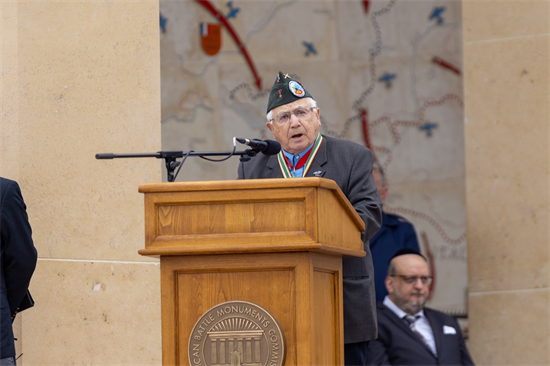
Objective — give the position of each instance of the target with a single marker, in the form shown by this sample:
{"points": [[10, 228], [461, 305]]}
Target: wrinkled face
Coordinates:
{"points": [[297, 134], [409, 297]]}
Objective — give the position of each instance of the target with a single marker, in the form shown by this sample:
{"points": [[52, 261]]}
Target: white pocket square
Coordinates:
{"points": [[448, 330]]}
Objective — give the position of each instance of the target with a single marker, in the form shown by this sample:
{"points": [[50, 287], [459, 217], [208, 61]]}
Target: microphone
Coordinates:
{"points": [[104, 156], [267, 147]]}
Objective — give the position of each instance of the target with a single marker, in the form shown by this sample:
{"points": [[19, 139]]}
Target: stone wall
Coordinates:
{"points": [[80, 78], [506, 61]]}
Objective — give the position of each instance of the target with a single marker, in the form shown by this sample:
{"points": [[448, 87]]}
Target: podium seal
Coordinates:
{"points": [[237, 333]]}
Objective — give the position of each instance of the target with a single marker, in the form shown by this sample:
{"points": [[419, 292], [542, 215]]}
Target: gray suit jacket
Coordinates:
{"points": [[350, 166]]}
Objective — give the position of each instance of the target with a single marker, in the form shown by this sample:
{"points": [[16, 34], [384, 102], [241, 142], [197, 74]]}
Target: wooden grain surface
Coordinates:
{"points": [[252, 184], [299, 289], [303, 217]]}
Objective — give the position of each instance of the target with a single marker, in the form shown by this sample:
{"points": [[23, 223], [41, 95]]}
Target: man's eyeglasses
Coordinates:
{"points": [[282, 118], [426, 280]]}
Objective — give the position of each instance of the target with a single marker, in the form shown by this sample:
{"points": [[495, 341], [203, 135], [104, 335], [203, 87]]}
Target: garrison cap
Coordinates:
{"points": [[285, 90]]}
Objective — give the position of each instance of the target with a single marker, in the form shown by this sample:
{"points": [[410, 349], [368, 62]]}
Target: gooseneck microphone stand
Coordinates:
{"points": [[171, 156]]}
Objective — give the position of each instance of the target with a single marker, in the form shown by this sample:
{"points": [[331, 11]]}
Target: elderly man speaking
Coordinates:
{"points": [[294, 120]]}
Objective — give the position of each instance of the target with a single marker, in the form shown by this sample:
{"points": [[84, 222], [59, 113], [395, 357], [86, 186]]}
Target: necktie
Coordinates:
{"points": [[298, 164], [411, 320]]}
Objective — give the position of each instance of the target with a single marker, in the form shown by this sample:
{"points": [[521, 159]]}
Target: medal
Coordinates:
{"points": [[305, 161]]}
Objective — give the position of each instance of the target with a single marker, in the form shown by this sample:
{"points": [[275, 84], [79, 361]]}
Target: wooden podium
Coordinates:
{"points": [[277, 243]]}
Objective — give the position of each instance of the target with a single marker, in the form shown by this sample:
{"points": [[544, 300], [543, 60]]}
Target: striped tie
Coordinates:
{"points": [[411, 322]]}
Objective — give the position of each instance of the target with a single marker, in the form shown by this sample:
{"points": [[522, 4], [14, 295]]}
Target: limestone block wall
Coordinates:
{"points": [[79, 78], [506, 90]]}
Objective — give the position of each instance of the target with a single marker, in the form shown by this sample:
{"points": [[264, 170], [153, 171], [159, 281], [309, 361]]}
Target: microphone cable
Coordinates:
{"points": [[205, 158], [230, 155]]}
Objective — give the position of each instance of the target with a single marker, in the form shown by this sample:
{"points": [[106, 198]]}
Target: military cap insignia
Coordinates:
{"points": [[296, 89]]}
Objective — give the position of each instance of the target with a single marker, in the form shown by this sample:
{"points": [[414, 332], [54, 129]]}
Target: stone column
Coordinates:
{"points": [[79, 78], [507, 90]]}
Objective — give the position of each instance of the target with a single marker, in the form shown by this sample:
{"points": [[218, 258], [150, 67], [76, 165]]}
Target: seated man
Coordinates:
{"points": [[396, 233], [409, 333]]}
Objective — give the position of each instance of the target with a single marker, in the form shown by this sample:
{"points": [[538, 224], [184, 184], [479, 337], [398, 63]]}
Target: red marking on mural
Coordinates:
{"points": [[366, 4], [240, 44], [211, 38], [445, 64], [431, 261]]}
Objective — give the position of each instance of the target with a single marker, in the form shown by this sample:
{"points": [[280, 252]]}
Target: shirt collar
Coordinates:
{"points": [[400, 313], [293, 158]]}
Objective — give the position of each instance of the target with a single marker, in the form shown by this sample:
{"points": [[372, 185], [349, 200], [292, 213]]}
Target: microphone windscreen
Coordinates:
{"points": [[273, 147]]}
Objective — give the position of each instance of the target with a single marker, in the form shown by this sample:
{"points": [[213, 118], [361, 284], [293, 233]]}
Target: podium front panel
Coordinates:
{"points": [[301, 290]]}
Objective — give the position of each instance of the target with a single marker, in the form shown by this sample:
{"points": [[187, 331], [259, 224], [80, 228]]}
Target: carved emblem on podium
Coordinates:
{"points": [[236, 333]]}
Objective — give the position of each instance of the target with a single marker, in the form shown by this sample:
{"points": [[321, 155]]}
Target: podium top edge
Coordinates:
{"points": [[218, 185], [245, 184]]}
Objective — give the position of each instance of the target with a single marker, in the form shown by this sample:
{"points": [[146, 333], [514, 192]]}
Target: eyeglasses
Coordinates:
{"points": [[282, 118], [426, 280]]}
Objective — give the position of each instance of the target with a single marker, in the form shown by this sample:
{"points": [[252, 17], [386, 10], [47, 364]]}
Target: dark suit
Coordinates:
{"points": [[18, 258], [350, 166], [398, 345]]}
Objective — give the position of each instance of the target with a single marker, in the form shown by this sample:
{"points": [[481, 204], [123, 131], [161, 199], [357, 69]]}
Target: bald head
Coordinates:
{"points": [[404, 261], [408, 282]]}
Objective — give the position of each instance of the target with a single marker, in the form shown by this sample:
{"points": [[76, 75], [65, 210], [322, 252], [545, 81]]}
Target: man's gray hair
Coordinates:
{"points": [[312, 103]]}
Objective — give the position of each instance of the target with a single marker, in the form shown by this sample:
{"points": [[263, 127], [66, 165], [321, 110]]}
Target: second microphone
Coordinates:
{"points": [[267, 147]]}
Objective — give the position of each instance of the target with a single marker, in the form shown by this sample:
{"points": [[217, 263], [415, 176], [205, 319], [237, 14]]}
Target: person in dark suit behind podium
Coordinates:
{"points": [[408, 332], [396, 233], [18, 257], [294, 120]]}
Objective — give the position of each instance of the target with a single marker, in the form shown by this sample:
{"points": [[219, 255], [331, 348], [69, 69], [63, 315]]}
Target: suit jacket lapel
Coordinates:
{"points": [[275, 169], [437, 330], [401, 323], [320, 160]]}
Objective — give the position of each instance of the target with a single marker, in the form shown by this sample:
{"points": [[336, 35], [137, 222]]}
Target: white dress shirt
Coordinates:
{"points": [[422, 324]]}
